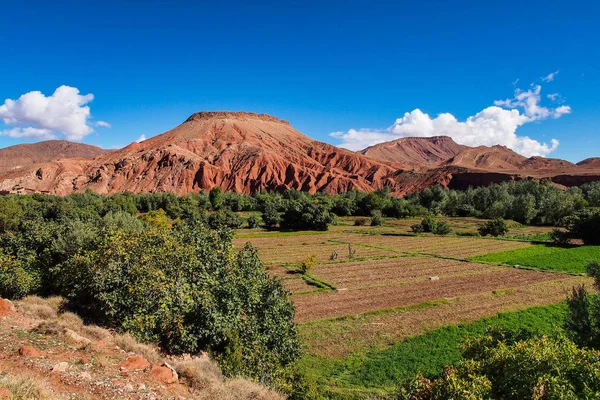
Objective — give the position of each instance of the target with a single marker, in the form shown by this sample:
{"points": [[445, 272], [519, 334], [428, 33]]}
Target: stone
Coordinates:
{"points": [[29, 351], [163, 373], [6, 307], [77, 338], [135, 362]]}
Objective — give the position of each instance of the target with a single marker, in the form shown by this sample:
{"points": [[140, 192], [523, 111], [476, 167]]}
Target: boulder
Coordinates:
{"points": [[135, 362], [6, 307], [163, 373]]}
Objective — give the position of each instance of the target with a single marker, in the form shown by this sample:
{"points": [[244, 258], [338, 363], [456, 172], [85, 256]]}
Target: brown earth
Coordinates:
{"points": [[352, 302], [248, 152]]}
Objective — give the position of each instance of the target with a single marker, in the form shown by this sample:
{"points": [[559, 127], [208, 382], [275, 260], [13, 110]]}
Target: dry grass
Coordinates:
{"points": [[200, 374], [96, 333], [130, 344], [51, 327], [204, 377], [71, 321], [243, 389], [25, 387], [101, 361], [40, 308]]}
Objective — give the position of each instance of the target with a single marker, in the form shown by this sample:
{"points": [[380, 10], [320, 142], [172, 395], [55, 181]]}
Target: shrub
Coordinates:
{"points": [[304, 214], [15, 281], [583, 321], [586, 226], [270, 215], [417, 228], [536, 368], [252, 222], [308, 263], [496, 227], [156, 218], [428, 223], [376, 219], [441, 228], [224, 219], [360, 222], [188, 291], [560, 237]]}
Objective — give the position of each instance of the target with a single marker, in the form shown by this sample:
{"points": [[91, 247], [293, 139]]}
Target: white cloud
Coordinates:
{"points": [[65, 111], [553, 96], [29, 133], [103, 124], [141, 138], [550, 77], [493, 125]]}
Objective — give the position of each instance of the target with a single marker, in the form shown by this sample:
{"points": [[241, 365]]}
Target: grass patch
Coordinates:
{"points": [[546, 257], [379, 371], [314, 281]]}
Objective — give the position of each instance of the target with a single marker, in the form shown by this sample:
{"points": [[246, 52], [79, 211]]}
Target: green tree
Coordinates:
{"points": [[187, 290], [216, 197], [496, 227]]}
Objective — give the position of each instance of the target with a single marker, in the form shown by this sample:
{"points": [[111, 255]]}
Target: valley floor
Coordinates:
{"points": [[375, 292]]}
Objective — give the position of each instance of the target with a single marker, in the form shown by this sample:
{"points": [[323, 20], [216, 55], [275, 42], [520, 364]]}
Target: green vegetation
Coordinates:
{"points": [[174, 281], [503, 365], [583, 322], [547, 257], [496, 227], [380, 370], [430, 224]]}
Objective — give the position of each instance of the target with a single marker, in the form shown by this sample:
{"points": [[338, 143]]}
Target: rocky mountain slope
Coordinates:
{"points": [[242, 152], [50, 355], [21, 156], [247, 152]]}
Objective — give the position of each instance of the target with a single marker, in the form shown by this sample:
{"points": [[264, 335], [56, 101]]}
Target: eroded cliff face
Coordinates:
{"points": [[241, 152], [247, 153]]}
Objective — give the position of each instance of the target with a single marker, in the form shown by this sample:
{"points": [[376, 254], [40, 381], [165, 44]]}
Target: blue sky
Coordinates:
{"points": [[351, 67]]}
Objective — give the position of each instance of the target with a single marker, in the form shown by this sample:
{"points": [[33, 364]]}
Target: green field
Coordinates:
{"points": [[546, 257], [378, 372]]}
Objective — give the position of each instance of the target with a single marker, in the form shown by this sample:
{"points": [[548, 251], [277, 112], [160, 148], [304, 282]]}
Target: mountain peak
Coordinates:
{"points": [[239, 115]]}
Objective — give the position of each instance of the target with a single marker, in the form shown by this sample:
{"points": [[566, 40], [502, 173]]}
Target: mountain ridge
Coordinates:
{"points": [[249, 152]]}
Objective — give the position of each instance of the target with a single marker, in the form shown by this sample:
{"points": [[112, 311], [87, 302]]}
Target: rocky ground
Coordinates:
{"points": [[45, 354]]}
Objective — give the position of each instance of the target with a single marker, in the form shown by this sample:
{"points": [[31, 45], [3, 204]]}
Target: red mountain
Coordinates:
{"points": [[242, 152], [247, 152]]}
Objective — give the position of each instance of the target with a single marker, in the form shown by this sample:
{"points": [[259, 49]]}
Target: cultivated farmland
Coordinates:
{"points": [[370, 288]]}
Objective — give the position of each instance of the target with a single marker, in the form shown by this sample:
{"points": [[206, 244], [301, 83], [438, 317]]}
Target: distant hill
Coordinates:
{"points": [[248, 152], [415, 152], [15, 158]]}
